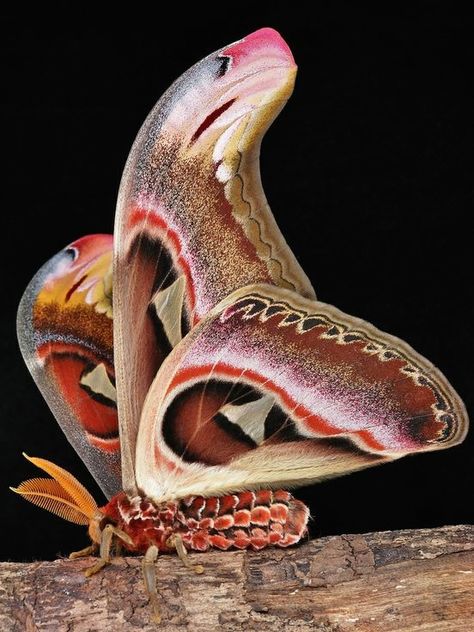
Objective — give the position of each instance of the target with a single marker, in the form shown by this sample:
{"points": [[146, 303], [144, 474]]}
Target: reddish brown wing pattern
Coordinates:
{"points": [[193, 223], [264, 389], [274, 389], [65, 334]]}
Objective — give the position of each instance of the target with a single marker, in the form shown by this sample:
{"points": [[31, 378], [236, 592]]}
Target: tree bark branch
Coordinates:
{"points": [[409, 580]]}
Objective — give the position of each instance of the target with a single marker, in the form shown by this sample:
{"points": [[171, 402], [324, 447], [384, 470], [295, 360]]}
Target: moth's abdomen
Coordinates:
{"points": [[244, 520]]}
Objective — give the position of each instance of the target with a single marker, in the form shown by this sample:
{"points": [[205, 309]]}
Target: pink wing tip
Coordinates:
{"points": [[91, 246], [95, 239], [265, 40]]}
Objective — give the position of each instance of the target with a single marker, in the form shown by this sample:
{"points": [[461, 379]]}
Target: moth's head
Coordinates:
{"points": [[224, 104], [62, 495], [80, 274]]}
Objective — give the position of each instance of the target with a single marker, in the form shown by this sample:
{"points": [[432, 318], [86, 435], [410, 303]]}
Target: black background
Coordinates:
{"points": [[368, 171]]}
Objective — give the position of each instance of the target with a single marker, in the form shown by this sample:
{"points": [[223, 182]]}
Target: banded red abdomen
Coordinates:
{"points": [[245, 520]]}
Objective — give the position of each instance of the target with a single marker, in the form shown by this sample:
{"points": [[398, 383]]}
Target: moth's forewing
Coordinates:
{"points": [[192, 221], [65, 333]]}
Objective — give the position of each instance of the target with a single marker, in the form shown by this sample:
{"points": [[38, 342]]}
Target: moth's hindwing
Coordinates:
{"points": [[275, 389]]}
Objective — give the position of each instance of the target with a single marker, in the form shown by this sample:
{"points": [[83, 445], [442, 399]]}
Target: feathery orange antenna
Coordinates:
{"points": [[62, 494]]}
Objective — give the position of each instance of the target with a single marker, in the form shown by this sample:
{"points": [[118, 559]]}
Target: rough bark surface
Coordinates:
{"points": [[391, 581]]}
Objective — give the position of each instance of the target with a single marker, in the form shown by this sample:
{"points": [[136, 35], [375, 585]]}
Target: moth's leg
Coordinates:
{"points": [[106, 538], [118, 547], [88, 550], [149, 577], [176, 541], [105, 543]]}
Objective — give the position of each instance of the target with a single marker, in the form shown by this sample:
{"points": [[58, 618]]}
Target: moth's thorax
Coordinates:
{"points": [[143, 520], [242, 520]]}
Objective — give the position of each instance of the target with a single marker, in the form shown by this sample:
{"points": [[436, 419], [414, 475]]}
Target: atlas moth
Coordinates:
{"points": [[212, 380]]}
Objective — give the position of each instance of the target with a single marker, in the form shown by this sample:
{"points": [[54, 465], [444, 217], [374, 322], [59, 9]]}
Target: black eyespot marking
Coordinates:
{"points": [[449, 421], [311, 322], [250, 305], [72, 253], [275, 309], [352, 338], [292, 318], [224, 65]]}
